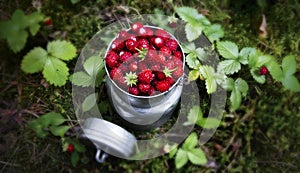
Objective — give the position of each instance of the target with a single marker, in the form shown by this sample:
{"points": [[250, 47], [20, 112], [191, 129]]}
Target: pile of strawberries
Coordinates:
{"points": [[144, 60]]}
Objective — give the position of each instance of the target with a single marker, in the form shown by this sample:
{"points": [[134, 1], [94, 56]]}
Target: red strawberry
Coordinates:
{"points": [[178, 72], [177, 62], [149, 32], [170, 64], [117, 44], [132, 37], [152, 91], [133, 90], [133, 66], [48, 22], [162, 33], [145, 76], [158, 42], [142, 66], [142, 32], [136, 26], [111, 59], [131, 45], [144, 88], [115, 73], [121, 82], [263, 70], [170, 80], [143, 43], [123, 35], [165, 51], [160, 59], [178, 55], [156, 67], [70, 148], [125, 56], [162, 86], [159, 75], [171, 44]]}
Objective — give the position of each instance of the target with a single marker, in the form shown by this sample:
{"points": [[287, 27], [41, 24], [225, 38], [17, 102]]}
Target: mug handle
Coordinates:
{"points": [[100, 158]]}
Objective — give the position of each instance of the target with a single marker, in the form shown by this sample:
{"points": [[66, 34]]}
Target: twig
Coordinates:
{"points": [[9, 164]]}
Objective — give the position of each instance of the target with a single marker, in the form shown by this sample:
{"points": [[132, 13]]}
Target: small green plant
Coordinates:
{"points": [[52, 123], [50, 61], [15, 30]]}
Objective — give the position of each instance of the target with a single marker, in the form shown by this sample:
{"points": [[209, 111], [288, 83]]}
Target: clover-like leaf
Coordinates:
{"points": [[192, 32], [56, 71], [34, 60], [181, 158], [214, 32], [93, 64], [211, 78], [229, 66], [227, 49], [59, 130], [245, 53], [81, 79], [197, 156], [61, 49], [190, 142], [208, 123], [89, 102], [189, 15], [192, 61], [195, 113]]}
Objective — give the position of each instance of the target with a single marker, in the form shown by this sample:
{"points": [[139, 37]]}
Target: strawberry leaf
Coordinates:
{"points": [[240, 89], [212, 78], [189, 47], [193, 31], [190, 142], [74, 158], [81, 79], [192, 61], [245, 53], [193, 75], [59, 130], [208, 123], [61, 49], [189, 15], [258, 77], [289, 67], [195, 113], [34, 60], [197, 156], [56, 71], [214, 32], [89, 102], [93, 65], [227, 49], [229, 66], [181, 158], [235, 99]]}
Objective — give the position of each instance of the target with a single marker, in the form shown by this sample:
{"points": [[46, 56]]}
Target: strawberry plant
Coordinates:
{"points": [[15, 31], [50, 61]]}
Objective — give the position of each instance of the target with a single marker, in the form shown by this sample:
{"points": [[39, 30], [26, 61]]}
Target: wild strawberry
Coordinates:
{"points": [[162, 33], [149, 32], [132, 37], [170, 80], [131, 45], [123, 35], [70, 148], [152, 91], [125, 56], [133, 66], [144, 88], [178, 55], [117, 44], [48, 21], [145, 76], [165, 51], [160, 59], [171, 44], [178, 73], [159, 75], [158, 42], [131, 79], [155, 67], [111, 59], [143, 43], [263, 70], [121, 81], [177, 62], [136, 26], [115, 73], [142, 32], [170, 64], [162, 86], [133, 90], [142, 66]]}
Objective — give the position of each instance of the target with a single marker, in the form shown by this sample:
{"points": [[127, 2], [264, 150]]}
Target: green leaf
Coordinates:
{"points": [[229, 66], [75, 1], [244, 54], [242, 86], [189, 47], [235, 99], [34, 60], [33, 22], [181, 158], [173, 152], [291, 83], [61, 49], [56, 71], [201, 54], [258, 77], [19, 19], [59, 130], [52, 118], [93, 65], [192, 61], [78, 146], [209, 123], [214, 32], [81, 79], [195, 113], [210, 78], [18, 41], [229, 84], [275, 70], [192, 32], [227, 49], [289, 65], [193, 75], [190, 142], [197, 156], [38, 128], [74, 158], [189, 15], [89, 102]]}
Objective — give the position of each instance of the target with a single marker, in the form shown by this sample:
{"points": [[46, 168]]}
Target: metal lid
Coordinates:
{"points": [[109, 137]]}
